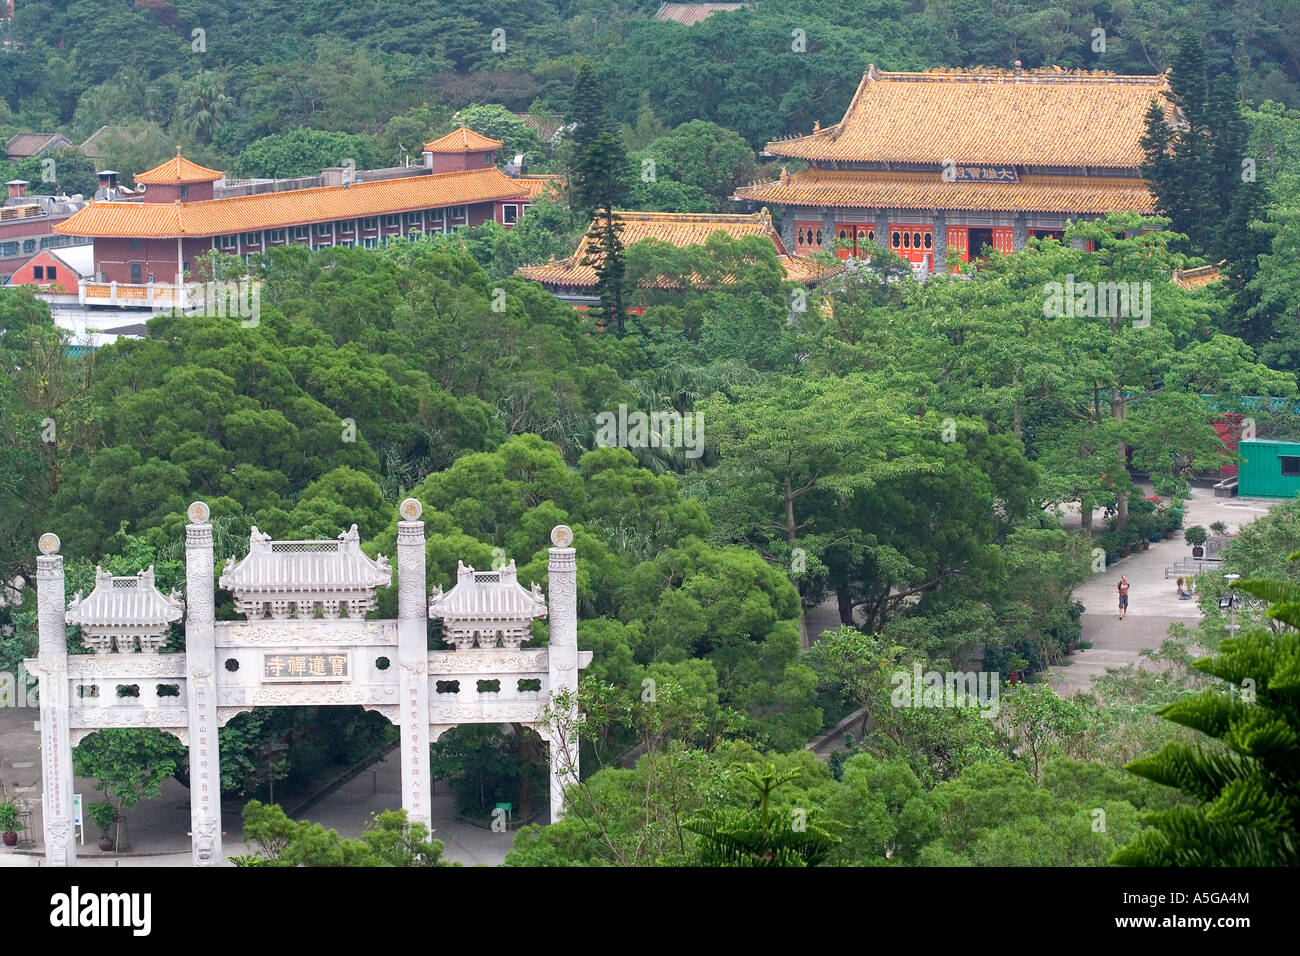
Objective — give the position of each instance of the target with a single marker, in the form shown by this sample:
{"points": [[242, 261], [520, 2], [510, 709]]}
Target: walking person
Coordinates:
{"points": [[1122, 588]]}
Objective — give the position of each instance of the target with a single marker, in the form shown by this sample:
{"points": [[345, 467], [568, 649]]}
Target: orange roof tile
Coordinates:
{"points": [[1197, 278], [178, 169], [463, 140], [679, 229], [886, 190], [539, 183], [216, 217], [1047, 117]]}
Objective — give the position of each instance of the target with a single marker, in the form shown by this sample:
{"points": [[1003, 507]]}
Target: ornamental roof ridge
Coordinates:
{"points": [[315, 566], [130, 600], [1043, 74], [493, 596]]}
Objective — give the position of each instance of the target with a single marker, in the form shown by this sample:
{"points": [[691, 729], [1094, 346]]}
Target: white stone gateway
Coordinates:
{"points": [[283, 654]]}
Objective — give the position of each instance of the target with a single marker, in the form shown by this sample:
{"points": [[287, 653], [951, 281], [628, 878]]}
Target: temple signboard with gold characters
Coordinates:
{"points": [[307, 639], [306, 667]]}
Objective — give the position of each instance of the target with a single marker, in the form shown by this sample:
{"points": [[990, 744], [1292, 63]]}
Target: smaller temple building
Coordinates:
{"points": [[573, 280]]}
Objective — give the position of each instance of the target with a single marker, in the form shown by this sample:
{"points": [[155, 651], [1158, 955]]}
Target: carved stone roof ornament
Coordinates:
{"points": [[486, 605], [125, 610], [277, 578]]}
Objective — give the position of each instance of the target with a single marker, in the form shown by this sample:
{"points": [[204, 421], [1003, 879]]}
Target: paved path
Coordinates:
{"points": [[158, 829], [1153, 600]]}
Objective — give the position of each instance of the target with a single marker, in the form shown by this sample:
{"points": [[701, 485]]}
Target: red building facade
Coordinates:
{"points": [[155, 234], [942, 165]]}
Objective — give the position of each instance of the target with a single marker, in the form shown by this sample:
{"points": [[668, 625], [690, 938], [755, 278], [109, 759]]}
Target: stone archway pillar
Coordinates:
{"points": [[413, 666], [201, 690], [562, 656], [56, 739]]}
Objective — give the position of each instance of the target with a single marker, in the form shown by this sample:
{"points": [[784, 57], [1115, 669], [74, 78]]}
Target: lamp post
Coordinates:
{"points": [[1230, 601]]}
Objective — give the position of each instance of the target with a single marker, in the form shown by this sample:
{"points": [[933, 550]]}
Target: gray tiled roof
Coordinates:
{"points": [[488, 596], [128, 601], [306, 566]]}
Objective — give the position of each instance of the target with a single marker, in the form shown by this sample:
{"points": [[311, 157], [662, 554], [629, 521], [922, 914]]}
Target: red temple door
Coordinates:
{"points": [[914, 242], [807, 236], [864, 241], [1004, 239], [959, 240]]}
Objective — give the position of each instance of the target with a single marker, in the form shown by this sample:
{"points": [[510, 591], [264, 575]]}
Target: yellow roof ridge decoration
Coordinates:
{"points": [[1048, 117], [295, 207], [178, 169], [463, 140], [679, 229]]}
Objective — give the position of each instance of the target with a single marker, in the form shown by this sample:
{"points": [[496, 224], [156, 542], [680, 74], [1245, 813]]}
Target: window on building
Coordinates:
{"points": [[324, 228], [370, 242], [345, 225], [1290, 465], [415, 218], [185, 192], [436, 215], [51, 273], [50, 242], [370, 222], [509, 214], [458, 212], [275, 235], [252, 238], [136, 273], [228, 242], [394, 220], [29, 245], [8, 249], [135, 244], [300, 232], [38, 272]]}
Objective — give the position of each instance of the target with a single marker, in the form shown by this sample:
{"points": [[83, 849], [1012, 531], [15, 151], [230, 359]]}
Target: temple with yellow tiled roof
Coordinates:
{"points": [[964, 160], [573, 280]]}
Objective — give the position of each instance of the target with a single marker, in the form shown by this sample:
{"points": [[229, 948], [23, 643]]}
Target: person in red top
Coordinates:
{"points": [[1122, 588]]}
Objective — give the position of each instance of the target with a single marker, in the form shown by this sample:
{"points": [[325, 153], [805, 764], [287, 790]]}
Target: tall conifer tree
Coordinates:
{"points": [[597, 187]]}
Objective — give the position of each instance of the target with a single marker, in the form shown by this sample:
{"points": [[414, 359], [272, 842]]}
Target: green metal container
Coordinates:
{"points": [[1269, 469]]}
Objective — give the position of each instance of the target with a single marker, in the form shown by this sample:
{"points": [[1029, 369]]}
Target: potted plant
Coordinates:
{"points": [[9, 822], [1219, 529], [104, 816], [1195, 536]]}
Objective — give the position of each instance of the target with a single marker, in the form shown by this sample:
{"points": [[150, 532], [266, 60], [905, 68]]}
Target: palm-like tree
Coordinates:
{"points": [[202, 106]]}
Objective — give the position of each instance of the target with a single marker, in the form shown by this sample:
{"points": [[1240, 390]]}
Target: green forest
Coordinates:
{"points": [[907, 454]]}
